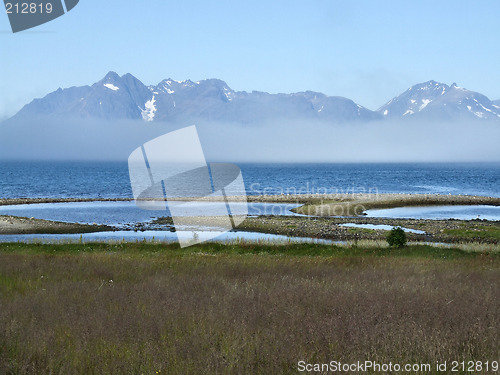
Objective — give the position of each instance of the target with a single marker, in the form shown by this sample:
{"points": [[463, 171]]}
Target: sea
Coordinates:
{"points": [[97, 180], [94, 180]]}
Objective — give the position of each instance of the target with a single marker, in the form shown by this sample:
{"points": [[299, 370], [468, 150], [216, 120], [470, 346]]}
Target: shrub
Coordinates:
{"points": [[396, 237]]}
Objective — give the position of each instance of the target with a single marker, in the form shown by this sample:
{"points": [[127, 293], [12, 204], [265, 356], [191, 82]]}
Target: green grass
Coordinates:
{"points": [[361, 230], [139, 308], [479, 232], [145, 248]]}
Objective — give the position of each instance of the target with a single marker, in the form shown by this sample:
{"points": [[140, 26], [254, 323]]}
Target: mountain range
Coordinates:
{"points": [[126, 97]]}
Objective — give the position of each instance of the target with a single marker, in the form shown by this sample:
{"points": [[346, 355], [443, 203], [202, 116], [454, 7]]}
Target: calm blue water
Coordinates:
{"points": [[122, 213], [440, 212], [111, 179]]}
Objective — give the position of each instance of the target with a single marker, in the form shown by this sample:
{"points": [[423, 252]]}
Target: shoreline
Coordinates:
{"points": [[357, 204], [24, 225], [332, 228], [386, 200], [327, 228], [20, 201], [314, 224]]}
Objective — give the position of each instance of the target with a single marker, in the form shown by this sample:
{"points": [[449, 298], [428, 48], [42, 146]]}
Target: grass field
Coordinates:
{"points": [[146, 308]]}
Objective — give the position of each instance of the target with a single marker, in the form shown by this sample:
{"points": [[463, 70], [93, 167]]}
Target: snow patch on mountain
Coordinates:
{"points": [[111, 87], [228, 94], [424, 104], [148, 114]]}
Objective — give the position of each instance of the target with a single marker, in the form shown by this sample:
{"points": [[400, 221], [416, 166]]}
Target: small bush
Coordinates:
{"points": [[396, 237]]}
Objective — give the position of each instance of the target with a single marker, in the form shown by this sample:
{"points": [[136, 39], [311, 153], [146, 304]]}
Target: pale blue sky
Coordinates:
{"points": [[368, 51]]}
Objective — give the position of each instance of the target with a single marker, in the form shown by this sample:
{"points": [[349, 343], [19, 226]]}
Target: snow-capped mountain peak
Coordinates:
{"points": [[413, 100], [438, 101]]}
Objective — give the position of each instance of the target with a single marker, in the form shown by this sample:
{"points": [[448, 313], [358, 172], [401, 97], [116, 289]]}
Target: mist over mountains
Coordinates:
{"points": [[171, 101], [429, 122]]}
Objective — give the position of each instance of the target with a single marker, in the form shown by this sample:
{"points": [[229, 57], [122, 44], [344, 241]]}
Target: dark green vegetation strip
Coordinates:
{"points": [[144, 248]]}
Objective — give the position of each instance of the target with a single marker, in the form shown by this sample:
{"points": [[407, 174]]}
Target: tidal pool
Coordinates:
{"points": [[439, 212], [381, 226], [160, 236]]}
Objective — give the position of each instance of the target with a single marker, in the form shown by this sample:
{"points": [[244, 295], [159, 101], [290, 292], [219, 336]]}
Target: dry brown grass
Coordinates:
{"points": [[223, 313]]}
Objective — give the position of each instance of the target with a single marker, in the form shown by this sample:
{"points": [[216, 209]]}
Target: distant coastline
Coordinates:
{"points": [[313, 204]]}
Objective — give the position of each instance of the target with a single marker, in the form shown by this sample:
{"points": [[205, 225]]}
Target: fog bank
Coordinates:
{"points": [[276, 141]]}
